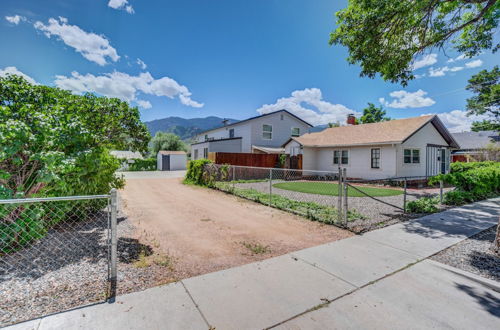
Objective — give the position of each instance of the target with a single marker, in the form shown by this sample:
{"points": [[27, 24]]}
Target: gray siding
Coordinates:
{"points": [[282, 129]]}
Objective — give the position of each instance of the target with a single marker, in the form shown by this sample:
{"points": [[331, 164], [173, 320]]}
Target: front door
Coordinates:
{"points": [[443, 161]]}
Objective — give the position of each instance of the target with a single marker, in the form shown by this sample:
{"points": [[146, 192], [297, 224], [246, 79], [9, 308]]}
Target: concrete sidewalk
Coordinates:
{"points": [[377, 280]]}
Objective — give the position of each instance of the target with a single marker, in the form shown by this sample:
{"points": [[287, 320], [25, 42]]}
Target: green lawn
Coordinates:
{"points": [[325, 188]]}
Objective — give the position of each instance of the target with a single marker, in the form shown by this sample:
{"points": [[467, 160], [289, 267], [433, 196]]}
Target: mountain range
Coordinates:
{"points": [[185, 128], [189, 128]]}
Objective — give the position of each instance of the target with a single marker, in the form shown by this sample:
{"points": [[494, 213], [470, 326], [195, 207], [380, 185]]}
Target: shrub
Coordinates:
{"points": [[148, 164], [195, 172], [55, 143], [423, 205], [473, 181]]}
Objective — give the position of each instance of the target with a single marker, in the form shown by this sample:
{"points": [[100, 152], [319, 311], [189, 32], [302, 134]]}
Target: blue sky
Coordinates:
{"points": [[228, 58]]}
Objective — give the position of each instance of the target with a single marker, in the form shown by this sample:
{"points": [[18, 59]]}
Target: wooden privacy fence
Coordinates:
{"points": [[255, 160]]}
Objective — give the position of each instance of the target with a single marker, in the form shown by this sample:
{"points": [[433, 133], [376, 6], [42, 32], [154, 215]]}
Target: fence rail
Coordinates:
{"points": [[56, 253]]}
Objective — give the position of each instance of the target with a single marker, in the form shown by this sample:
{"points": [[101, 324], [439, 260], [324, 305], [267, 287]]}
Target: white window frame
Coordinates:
{"points": [[411, 156], [340, 151], [231, 135], [268, 132], [298, 129], [195, 154], [205, 152]]}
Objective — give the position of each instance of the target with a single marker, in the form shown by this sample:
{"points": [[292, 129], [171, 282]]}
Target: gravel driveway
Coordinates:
{"points": [[376, 214]]}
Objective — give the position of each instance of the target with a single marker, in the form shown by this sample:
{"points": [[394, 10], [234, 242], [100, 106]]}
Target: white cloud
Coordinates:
{"points": [[439, 72], [474, 64], [16, 19], [126, 87], [309, 105], [426, 60], [458, 58], [403, 99], [121, 4], [93, 47], [141, 64], [14, 70], [144, 104], [458, 121]]}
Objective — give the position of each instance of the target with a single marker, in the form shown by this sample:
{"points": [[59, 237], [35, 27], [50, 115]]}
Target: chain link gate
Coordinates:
{"points": [[56, 253]]}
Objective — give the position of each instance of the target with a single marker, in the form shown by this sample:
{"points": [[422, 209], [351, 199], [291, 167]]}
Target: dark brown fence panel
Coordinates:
{"points": [[245, 159]]}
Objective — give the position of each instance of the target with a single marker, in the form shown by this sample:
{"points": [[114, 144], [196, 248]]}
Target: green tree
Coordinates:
{"points": [[336, 124], [54, 143], [486, 101], [373, 114], [385, 36], [166, 141]]}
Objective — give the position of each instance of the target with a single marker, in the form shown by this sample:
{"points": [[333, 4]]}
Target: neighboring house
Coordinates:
{"points": [[473, 144], [262, 134], [126, 157], [417, 146]]}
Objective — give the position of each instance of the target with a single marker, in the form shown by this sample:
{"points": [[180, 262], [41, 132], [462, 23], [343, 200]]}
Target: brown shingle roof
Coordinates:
{"points": [[394, 131]]}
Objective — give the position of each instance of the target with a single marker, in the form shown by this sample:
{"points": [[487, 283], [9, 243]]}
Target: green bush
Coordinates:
{"points": [[195, 173], [473, 181], [423, 205], [55, 143], [148, 164]]}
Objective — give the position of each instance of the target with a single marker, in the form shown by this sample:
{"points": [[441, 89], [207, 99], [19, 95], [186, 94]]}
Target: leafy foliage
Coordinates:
{"points": [[485, 85], [148, 164], [54, 143], [423, 205], [166, 141], [373, 114], [195, 172], [473, 181], [385, 36]]}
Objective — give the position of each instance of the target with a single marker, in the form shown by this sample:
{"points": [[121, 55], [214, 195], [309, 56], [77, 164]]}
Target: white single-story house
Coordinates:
{"points": [[262, 134], [171, 160], [418, 146]]}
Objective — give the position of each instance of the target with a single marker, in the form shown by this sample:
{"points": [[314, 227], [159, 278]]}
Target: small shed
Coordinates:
{"points": [[171, 160]]}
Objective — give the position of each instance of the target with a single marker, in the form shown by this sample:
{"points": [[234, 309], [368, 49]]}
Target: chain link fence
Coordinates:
{"points": [[312, 194], [329, 197], [51, 248]]}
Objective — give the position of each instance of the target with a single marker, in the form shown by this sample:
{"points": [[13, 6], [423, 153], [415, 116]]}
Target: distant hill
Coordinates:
{"points": [[185, 128]]}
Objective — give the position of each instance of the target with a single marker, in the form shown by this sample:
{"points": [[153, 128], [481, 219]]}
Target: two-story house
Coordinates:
{"points": [[265, 133]]}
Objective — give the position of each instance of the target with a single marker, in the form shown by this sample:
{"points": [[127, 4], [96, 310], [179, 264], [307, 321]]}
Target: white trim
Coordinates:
{"points": [[263, 138]]}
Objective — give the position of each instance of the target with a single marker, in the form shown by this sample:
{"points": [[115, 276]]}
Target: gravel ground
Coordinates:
{"points": [[376, 214], [68, 268], [474, 255]]}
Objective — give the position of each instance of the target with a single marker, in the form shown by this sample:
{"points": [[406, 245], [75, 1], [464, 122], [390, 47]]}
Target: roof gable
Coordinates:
{"points": [[388, 132], [258, 117]]}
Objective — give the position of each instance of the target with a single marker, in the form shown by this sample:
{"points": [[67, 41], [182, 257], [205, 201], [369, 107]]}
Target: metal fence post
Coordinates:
{"points": [[339, 200], [404, 197], [344, 179], [270, 186], [234, 178], [441, 191], [114, 245]]}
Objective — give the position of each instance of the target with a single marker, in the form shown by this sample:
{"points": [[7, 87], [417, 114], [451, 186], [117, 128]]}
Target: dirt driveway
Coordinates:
{"points": [[205, 230]]}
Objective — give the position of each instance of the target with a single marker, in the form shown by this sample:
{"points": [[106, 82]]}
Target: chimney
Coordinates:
{"points": [[351, 120], [225, 121]]}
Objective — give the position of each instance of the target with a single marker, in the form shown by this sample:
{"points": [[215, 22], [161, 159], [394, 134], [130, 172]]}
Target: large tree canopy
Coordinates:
{"points": [[57, 144], [373, 114], [385, 36], [486, 100], [166, 141]]}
